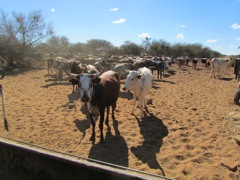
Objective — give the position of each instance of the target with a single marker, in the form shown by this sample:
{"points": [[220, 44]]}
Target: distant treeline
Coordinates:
{"points": [[26, 39]]}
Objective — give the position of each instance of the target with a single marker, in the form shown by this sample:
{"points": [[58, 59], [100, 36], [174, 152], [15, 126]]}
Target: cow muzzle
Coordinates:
{"points": [[125, 89], [85, 99]]}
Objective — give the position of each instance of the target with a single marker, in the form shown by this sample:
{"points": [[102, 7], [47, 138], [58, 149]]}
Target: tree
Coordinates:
{"points": [[77, 48], [58, 45], [98, 46], [19, 34], [130, 48], [159, 48], [146, 44], [114, 51]]}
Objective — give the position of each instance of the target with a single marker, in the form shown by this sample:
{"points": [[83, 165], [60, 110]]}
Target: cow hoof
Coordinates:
{"points": [[92, 138], [106, 123]]}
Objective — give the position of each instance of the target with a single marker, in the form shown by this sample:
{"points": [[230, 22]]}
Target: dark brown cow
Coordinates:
{"points": [[99, 92], [180, 62], [194, 63]]}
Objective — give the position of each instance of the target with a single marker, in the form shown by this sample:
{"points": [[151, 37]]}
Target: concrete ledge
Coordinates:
{"points": [[19, 160]]}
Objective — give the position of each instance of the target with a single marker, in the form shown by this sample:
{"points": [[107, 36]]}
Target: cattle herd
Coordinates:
{"points": [[98, 83]]}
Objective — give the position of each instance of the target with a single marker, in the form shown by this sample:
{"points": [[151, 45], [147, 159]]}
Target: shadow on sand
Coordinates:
{"points": [[153, 131], [114, 150]]}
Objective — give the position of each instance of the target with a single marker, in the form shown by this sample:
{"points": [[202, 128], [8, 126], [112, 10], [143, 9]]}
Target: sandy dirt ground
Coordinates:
{"points": [[187, 133]]}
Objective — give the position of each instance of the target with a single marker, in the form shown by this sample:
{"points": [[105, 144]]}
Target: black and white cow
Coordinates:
{"points": [[99, 92]]}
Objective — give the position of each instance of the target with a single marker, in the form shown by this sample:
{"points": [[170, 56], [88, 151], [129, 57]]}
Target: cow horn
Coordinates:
{"points": [[71, 74]]}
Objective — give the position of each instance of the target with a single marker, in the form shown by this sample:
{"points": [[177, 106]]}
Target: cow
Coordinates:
{"points": [[237, 69], [98, 66], [58, 65], [194, 63], [105, 65], [204, 62], [77, 68], [217, 65], [91, 69], [168, 61], [237, 96], [99, 91], [180, 61], [50, 65], [122, 68], [158, 64], [139, 63], [139, 82]]}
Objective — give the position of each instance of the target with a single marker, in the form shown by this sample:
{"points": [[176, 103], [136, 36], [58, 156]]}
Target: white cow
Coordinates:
{"points": [[91, 69], [168, 61], [139, 82], [217, 66]]}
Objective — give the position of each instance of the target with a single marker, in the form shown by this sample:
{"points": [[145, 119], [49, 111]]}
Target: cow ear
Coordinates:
{"points": [[96, 80], [139, 76]]}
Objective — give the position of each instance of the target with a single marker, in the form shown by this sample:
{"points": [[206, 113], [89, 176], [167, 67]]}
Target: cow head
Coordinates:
{"points": [[85, 85], [131, 80]]}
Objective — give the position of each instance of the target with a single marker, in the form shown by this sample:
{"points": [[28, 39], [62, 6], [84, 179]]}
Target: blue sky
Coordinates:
{"points": [[212, 23]]}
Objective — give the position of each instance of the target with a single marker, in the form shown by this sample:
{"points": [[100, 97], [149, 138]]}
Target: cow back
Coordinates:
{"points": [[218, 63], [107, 91], [147, 77]]}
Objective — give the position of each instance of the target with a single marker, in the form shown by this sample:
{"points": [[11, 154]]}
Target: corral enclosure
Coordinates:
{"points": [[187, 133]]}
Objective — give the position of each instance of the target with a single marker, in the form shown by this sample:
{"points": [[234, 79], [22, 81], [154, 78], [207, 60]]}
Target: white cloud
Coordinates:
{"points": [[121, 20], [180, 36], [212, 40], [53, 10], [235, 26], [181, 26], [144, 35], [238, 38], [114, 9]]}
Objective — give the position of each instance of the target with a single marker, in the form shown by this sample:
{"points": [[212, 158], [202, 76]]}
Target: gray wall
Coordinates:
{"points": [[19, 161]]}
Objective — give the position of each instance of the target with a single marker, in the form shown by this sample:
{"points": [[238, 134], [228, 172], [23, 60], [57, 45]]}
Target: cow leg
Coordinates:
{"points": [[113, 109], [60, 74], [73, 88], [93, 128], [49, 69], [145, 104], [106, 122], [57, 76], [141, 107], [101, 110], [134, 103]]}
